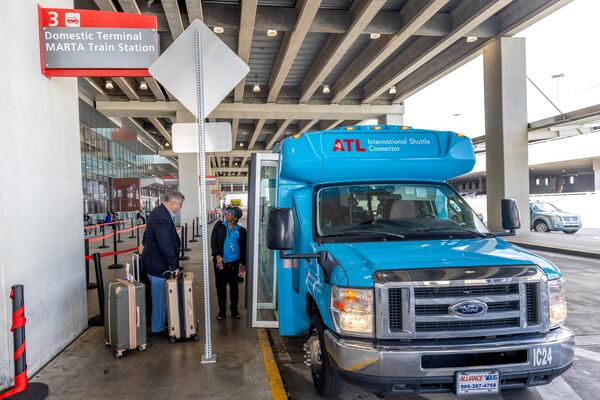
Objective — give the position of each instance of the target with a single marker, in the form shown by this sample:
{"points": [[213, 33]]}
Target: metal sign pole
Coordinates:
{"points": [[208, 356]]}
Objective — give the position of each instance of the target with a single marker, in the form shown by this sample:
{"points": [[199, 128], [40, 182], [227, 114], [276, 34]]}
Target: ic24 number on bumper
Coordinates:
{"points": [[542, 356]]}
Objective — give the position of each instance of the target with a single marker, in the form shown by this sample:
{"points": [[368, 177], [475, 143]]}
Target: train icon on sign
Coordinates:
{"points": [[72, 20]]}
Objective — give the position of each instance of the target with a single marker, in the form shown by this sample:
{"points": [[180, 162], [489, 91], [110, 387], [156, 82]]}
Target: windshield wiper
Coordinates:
{"points": [[449, 231], [367, 232]]}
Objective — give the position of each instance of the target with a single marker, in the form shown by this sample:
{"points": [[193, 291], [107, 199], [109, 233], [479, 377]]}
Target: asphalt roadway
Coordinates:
{"points": [[581, 382]]}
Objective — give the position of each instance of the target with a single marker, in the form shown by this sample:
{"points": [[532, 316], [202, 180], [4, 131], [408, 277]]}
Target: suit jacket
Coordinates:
{"points": [[161, 244]]}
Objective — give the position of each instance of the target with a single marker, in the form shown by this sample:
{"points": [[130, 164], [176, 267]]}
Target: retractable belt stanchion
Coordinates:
{"points": [[98, 320], [118, 232], [89, 285], [132, 236], [115, 264], [104, 245], [18, 329], [197, 234], [185, 237], [138, 236], [193, 239], [182, 255]]}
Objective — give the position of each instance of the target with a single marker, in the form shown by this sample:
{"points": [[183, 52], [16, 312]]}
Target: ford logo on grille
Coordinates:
{"points": [[470, 308]]}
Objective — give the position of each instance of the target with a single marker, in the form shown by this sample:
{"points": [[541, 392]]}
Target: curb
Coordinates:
{"points": [[571, 252]]}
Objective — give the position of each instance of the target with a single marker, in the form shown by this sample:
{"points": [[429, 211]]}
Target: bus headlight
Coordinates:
{"points": [[352, 311], [557, 301]]}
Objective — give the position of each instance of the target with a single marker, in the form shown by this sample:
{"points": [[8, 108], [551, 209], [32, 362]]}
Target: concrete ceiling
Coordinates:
{"points": [[318, 42]]}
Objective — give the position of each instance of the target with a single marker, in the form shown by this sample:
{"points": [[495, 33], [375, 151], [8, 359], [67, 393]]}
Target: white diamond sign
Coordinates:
{"points": [[222, 69]]}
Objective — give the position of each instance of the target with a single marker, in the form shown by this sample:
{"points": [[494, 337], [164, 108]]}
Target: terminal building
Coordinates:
{"points": [[75, 148]]}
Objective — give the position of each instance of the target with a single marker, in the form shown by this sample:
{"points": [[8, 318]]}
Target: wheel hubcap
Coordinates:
{"points": [[541, 228], [314, 358]]}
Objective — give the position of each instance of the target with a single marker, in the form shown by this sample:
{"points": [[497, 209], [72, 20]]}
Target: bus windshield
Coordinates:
{"points": [[394, 211]]}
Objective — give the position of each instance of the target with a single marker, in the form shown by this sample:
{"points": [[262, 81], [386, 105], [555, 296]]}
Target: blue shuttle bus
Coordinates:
{"points": [[357, 243]]}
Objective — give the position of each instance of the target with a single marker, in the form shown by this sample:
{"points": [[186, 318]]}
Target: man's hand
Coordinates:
{"points": [[219, 262]]}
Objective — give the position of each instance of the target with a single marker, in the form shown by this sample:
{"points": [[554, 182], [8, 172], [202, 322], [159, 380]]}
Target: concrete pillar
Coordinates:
{"points": [[391, 119], [597, 174], [41, 201], [506, 128], [189, 184]]}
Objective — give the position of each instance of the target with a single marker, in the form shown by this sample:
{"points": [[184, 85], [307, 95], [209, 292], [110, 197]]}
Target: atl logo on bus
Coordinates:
{"points": [[339, 146]]}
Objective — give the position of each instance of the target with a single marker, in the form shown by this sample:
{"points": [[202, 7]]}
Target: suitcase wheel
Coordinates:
{"points": [[119, 353], [106, 343], [142, 347], [196, 338], [172, 339]]}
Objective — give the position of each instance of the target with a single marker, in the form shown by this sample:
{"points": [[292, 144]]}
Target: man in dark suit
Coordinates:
{"points": [[160, 256]]}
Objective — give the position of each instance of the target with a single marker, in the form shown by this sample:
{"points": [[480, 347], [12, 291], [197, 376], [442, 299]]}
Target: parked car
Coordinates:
{"points": [[546, 217]]}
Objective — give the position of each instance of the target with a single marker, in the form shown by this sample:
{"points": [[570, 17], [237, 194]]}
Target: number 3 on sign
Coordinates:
{"points": [[542, 356], [53, 18]]}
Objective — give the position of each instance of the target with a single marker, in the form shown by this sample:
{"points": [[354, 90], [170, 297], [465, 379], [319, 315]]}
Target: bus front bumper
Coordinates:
{"points": [[391, 366]]}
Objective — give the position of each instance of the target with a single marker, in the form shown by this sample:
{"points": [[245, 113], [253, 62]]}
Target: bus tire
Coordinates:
{"points": [[327, 383]]}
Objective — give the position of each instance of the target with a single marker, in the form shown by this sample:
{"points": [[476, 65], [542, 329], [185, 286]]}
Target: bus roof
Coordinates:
{"points": [[380, 152]]}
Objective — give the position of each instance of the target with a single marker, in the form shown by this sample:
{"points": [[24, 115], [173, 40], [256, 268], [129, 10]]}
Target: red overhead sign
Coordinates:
{"points": [[96, 43]]}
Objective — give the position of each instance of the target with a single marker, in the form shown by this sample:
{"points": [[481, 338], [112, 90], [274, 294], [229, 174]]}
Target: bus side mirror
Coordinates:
{"points": [[280, 232], [510, 215]]}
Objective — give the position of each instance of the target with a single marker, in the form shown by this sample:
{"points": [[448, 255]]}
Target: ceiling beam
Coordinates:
{"points": [[337, 45], [235, 127], [464, 18], [232, 179], [147, 134], [231, 169], [194, 10], [283, 19], [414, 15], [280, 129], [218, 159], [246, 31], [305, 126], [161, 129], [130, 6], [96, 85], [511, 20], [167, 109], [105, 5], [125, 85], [257, 129], [331, 124], [155, 89], [232, 153], [173, 17], [290, 45]]}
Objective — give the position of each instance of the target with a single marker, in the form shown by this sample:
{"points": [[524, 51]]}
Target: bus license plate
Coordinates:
{"points": [[477, 382]]}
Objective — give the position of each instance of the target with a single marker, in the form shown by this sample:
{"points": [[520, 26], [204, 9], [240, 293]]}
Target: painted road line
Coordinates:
{"points": [[587, 354], [275, 382], [559, 389]]}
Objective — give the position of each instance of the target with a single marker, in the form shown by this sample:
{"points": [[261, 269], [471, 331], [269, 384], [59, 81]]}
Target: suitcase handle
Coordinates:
{"points": [[137, 316]]}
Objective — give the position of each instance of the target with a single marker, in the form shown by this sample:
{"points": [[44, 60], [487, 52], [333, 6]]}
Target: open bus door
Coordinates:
{"points": [[261, 278]]}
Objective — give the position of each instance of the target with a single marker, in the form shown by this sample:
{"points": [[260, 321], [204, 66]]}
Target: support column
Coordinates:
{"points": [[597, 174], [189, 184], [506, 128], [391, 119]]}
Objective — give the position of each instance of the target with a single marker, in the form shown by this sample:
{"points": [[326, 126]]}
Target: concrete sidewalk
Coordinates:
{"points": [[585, 243], [87, 369]]}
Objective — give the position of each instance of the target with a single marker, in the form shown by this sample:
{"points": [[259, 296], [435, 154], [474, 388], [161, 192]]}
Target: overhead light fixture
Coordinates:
{"points": [[218, 29], [471, 39], [167, 144], [143, 85], [109, 85], [241, 144], [375, 36], [393, 90], [271, 32], [256, 87], [236, 164], [326, 89]]}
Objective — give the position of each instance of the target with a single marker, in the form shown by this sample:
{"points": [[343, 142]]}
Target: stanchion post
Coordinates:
{"points": [[89, 285], [98, 320], [118, 232], [182, 256], [115, 264], [138, 236], [18, 328], [185, 237], [193, 239], [104, 245], [197, 234], [132, 236]]}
